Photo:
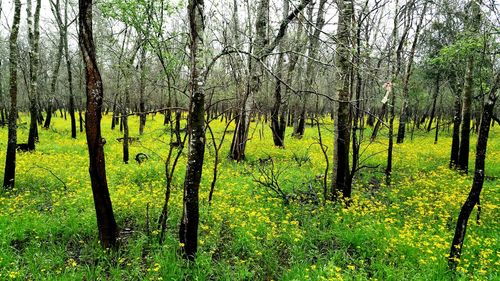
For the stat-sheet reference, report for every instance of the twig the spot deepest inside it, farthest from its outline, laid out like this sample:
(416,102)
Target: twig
(48,170)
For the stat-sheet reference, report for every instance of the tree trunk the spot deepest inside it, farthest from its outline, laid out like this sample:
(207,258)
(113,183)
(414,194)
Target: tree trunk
(125,112)
(473,25)
(33,38)
(188,230)
(403,119)
(71,103)
(104,211)
(278,122)
(115,118)
(457,120)
(357,113)
(341,176)
(383,112)
(10,159)
(463,152)
(55,7)
(395,71)
(277,128)
(142,85)
(434,101)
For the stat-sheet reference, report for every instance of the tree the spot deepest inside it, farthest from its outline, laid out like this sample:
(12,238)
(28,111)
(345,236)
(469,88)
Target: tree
(341,176)
(55,7)
(262,47)
(395,71)
(142,86)
(406,79)
(33,38)
(188,230)
(104,211)
(278,120)
(312,50)
(71,103)
(463,153)
(479,173)
(10,159)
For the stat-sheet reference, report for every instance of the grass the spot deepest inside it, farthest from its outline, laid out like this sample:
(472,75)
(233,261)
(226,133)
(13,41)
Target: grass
(402,232)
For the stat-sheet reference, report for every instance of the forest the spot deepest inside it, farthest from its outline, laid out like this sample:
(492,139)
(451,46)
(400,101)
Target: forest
(249,140)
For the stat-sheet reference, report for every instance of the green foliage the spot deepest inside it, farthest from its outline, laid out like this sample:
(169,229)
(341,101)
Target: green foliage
(139,13)
(149,18)
(458,51)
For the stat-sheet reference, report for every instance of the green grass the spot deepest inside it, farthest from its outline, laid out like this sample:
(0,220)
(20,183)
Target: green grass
(401,232)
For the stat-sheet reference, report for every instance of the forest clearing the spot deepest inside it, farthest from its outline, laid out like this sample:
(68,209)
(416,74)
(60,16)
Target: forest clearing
(250,140)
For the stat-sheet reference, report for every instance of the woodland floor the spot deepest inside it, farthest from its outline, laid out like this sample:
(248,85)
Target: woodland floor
(402,232)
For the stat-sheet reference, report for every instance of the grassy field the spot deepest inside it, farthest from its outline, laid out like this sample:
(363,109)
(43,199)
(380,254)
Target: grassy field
(402,232)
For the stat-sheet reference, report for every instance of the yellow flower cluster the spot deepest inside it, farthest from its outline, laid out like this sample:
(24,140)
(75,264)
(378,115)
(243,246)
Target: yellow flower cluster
(387,232)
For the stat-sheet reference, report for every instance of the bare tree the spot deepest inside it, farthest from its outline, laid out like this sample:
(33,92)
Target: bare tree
(262,47)
(188,230)
(312,52)
(341,176)
(403,119)
(56,11)
(71,103)
(33,38)
(396,62)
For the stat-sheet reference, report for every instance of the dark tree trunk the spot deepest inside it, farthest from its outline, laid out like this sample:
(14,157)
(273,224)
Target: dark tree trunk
(457,119)
(48,118)
(104,211)
(301,123)
(370,121)
(463,152)
(80,117)
(168,113)
(437,131)
(477,185)
(383,112)
(116,117)
(434,101)
(188,230)
(10,159)
(71,96)
(2,113)
(177,128)
(278,124)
